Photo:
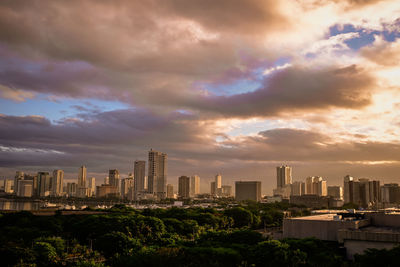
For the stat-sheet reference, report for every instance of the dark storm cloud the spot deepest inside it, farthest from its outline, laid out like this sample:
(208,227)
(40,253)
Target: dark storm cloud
(297,89)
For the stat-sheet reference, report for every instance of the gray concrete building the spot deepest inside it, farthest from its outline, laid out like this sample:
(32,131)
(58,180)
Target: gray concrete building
(248,190)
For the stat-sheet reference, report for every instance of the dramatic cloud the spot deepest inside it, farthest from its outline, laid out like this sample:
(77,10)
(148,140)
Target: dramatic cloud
(231,86)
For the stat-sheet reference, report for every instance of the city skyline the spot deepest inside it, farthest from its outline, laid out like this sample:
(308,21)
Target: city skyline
(236,89)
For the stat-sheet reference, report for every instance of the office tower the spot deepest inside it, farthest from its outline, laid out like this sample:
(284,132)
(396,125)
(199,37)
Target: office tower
(194,185)
(72,189)
(364,192)
(18,176)
(375,191)
(226,190)
(297,189)
(25,188)
(107,180)
(127,185)
(82,176)
(390,193)
(157,174)
(283,176)
(57,183)
(184,187)
(170,191)
(8,186)
(248,191)
(114,177)
(351,190)
(44,184)
(335,192)
(104,191)
(218,185)
(92,186)
(315,185)
(322,189)
(139,170)
(212,191)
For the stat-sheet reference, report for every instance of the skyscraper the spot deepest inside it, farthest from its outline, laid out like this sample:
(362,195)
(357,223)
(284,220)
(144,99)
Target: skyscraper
(170,191)
(92,186)
(25,188)
(218,185)
(82,176)
(139,170)
(248,190)
(194,185)
(44,184)
(157,174)
(283,176)
(335,192)
(114,177)
(184,187)
(57,183)
(18,176)
(127,186)
(316,185)
(212,189)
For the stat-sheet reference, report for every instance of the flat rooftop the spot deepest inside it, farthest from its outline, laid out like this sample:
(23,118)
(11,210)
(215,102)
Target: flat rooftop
(320,217)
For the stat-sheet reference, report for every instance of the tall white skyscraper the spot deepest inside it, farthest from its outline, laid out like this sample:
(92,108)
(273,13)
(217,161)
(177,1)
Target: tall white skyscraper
(283,176)
(157,174)
(194,185)
(139,174)
(57,183)
(82,177)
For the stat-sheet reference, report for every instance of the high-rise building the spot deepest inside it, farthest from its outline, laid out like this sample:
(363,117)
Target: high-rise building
(194,185)
(107,180)
(19,175)
(8,186)
(297,188)
(82,176)
(351,190)
(44,184)
(184,187)
(322,188)
(218,185)
(335,192)
(283,176)
(92,186)
(315,185)
(247,190)
(72,189)
(226,190)
(390,193)
(157,174)
(139,170)
(127,186)
(375,191)
(114,178)
(57,183)
(170,191)
(25,188)
(212,191)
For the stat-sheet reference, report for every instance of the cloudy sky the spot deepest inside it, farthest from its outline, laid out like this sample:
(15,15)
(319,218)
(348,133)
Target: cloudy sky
(235,87)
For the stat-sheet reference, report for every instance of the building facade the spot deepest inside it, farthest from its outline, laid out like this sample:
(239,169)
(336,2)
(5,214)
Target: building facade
(248,190)
(184,187)
(157,174)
